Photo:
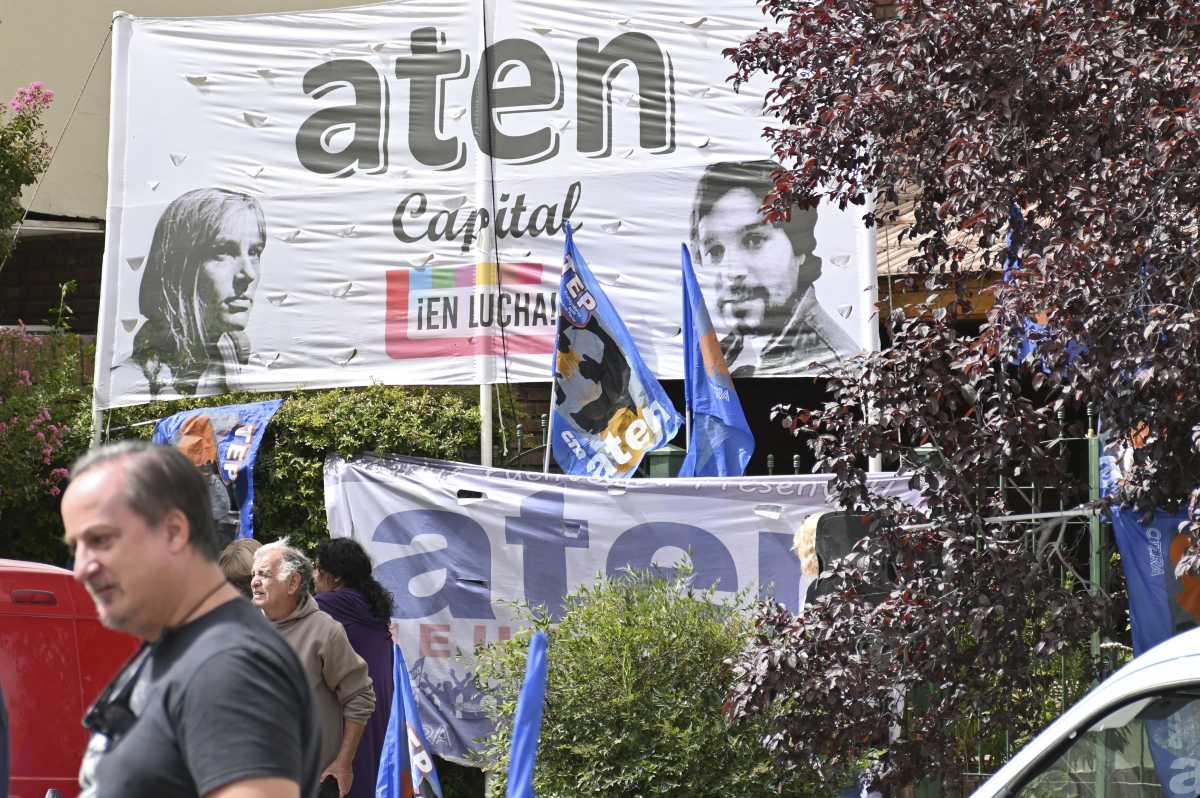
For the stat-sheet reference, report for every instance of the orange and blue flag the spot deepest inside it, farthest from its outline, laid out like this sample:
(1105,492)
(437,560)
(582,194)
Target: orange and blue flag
(720,444)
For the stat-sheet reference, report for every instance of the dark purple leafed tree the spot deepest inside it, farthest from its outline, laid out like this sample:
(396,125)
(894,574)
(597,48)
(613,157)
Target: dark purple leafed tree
(1081,120)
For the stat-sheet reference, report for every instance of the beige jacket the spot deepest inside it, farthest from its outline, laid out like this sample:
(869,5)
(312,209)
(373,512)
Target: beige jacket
(338,677)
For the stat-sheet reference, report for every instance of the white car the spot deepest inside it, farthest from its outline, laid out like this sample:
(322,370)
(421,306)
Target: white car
(1136,735)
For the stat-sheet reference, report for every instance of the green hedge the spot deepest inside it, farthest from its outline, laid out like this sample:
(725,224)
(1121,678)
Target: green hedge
(289,493)
(636,680)
(45,420)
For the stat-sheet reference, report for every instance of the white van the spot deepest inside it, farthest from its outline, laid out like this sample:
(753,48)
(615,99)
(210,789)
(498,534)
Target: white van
(1136,735)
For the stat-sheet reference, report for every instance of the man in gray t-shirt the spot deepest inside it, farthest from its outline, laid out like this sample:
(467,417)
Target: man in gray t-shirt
(215,703)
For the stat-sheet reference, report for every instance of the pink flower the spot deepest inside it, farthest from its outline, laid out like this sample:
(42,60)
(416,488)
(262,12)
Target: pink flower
(41,436)
(55,490)
(59,473)
(31,98)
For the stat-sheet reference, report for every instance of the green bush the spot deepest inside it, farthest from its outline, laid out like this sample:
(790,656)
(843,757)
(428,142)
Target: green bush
(44,425)
(636,681)
(289,496)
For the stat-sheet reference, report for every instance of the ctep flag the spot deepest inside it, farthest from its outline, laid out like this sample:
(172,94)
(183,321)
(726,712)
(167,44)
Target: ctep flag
(527,726)
(405,764)
(223,443)
(609,410)
(721,442)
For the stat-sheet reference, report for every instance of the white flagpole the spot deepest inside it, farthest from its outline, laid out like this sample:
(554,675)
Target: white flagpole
(550,418)
(485,425)
(868,323)
(487,247)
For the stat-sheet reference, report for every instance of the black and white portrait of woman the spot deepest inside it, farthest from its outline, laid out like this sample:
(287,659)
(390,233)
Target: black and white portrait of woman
(768,317)
(197,291)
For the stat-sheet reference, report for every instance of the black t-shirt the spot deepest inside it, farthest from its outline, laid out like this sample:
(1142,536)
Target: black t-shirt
(220,700)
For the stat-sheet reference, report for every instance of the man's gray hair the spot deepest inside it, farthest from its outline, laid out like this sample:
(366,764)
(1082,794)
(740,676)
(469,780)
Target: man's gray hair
(159,479)
(291,561)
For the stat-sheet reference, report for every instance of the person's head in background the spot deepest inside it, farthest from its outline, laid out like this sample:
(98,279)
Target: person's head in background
(282,579)
(237,563)
(342,564)
(761,270)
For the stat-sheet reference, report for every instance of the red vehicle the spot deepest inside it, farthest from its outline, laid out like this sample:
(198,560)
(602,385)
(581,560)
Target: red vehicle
(55,658)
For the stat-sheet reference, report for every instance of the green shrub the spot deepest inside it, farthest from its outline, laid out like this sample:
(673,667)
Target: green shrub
(637,677)
(289,496)
(44,425)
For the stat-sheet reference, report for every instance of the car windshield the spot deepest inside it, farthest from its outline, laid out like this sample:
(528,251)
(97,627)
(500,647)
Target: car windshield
(1149,748)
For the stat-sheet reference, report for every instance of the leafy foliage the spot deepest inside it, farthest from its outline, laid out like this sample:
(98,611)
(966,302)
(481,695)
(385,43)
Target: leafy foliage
(1057,136)
(24,154)
(288,486)
(633,697)
(44,424)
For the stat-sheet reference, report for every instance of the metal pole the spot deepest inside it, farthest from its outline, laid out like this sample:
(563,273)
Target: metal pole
(487,244)
(1096,560)
(485,425)
(875,461)
(548,430)
(1096,575)
(97,423)
(868,322)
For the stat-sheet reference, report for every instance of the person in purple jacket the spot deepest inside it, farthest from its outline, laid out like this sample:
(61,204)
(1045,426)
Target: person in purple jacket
(347,591)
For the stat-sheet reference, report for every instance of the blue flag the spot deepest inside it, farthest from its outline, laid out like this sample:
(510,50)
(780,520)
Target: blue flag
(223,443)
(1161,606)
(721,442)
(527,725)
(405,763)
(609,410)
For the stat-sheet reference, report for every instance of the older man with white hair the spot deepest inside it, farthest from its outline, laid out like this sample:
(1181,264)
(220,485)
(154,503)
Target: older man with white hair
(282,588)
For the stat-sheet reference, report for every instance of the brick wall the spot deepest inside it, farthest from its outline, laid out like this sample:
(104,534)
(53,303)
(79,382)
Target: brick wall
(30,279)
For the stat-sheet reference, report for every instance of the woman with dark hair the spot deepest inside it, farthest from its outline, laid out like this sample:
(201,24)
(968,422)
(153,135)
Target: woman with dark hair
(347,591)
(197,291)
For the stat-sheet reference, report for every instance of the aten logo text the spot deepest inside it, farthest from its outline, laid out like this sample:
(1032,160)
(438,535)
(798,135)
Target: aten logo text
(518,79)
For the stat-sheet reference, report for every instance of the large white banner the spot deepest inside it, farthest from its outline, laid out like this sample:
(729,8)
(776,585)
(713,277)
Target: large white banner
(458,544)
(306,199)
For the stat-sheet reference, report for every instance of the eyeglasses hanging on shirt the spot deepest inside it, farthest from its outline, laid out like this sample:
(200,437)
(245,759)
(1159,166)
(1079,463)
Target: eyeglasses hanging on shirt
(111,715)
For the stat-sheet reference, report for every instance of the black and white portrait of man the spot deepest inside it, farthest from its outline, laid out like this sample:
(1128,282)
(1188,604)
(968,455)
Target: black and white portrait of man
(197,292)
(767,312)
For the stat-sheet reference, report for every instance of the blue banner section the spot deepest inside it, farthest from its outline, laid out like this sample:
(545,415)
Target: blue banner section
(721,442)
(223,443)
(609,410)
(1160,606)
(527,725)
(406,762)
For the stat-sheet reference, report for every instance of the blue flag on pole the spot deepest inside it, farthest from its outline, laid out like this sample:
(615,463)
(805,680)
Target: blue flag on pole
(527,726)
(609,410)
(721,442)
(1161,606)
(223,443)
(405,763)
